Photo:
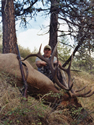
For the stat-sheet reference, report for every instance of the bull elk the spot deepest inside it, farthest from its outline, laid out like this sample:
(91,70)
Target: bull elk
(39,83)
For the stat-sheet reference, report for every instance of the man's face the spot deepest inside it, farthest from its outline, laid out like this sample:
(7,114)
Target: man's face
(47,53)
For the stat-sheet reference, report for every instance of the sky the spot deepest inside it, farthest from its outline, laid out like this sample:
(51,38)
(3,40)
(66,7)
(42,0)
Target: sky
(32,36)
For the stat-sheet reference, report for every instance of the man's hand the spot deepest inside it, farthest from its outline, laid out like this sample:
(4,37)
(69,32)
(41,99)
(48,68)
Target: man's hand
(41,63)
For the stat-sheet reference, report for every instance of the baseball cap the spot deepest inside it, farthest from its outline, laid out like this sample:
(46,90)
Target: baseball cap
(47,47)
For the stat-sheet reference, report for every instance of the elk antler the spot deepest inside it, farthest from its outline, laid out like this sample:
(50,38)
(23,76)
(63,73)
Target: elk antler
(72,92)
(52,68)
(54,71)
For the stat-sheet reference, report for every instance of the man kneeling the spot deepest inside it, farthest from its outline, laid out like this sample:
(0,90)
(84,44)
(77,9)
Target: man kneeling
(44,68)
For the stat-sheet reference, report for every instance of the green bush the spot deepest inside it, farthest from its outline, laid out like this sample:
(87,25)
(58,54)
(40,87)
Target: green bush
(25,52)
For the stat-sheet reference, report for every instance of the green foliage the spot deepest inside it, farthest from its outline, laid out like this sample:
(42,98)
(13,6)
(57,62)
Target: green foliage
(63,48)
(64,52)
(25,52)
(83,61)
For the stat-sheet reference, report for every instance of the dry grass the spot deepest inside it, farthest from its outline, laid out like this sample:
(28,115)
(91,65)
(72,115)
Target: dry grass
(85,79)
(15,110)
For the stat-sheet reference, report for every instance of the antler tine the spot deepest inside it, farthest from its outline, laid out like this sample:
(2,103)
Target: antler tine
(59,84)
(89,95)
(53,54)
(40,48)
(29,56)
(81,95)
(52,67)
(54,51)
(71,60)
(40,56)
(68,73)
(81,89)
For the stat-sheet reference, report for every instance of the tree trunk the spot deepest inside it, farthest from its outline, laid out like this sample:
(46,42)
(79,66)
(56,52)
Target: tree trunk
(53,24)
(9,33)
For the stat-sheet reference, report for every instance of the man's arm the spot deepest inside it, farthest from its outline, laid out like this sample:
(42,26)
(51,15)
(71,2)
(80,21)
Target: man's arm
(40,63)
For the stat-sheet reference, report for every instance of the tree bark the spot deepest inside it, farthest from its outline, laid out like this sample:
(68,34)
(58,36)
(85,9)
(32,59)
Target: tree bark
(53,24)
(9,33)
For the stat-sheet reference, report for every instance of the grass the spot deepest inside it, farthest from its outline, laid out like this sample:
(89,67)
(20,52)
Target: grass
(15,110)
(85,79)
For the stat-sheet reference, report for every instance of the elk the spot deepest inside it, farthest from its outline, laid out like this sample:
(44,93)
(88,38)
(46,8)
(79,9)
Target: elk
(39,83)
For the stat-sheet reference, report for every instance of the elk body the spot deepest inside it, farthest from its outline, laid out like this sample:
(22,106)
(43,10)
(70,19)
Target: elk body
(10,64)
(37,82)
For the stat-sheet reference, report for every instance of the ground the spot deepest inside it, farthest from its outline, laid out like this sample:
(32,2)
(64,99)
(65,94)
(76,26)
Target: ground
(16,110)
